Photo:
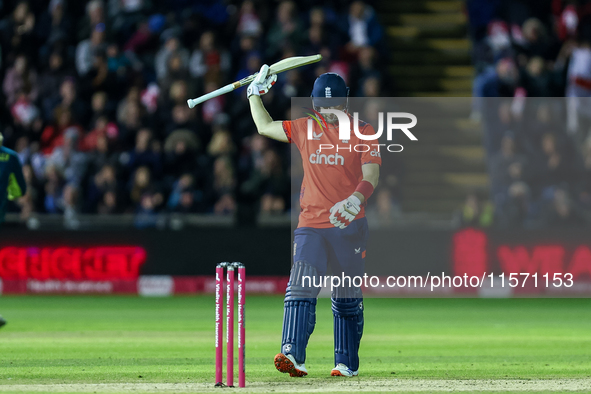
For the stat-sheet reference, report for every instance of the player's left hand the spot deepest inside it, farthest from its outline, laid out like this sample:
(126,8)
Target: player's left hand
(344,212)
(262,82)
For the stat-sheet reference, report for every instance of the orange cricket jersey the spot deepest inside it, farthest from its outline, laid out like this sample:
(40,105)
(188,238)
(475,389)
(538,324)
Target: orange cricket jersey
(331,174)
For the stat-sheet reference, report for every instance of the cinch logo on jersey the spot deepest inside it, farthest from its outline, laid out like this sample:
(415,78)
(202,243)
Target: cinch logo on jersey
(375,153)
(321,158)
(345,129)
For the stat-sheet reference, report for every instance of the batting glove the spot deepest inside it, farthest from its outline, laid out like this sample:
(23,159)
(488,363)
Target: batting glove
(344,212)
(262,82)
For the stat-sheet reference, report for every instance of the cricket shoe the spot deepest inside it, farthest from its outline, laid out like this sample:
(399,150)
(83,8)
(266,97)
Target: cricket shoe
(287,364)
(342,370)
(2,321)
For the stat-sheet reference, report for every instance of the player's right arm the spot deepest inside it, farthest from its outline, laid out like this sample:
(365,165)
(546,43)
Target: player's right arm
(265,124)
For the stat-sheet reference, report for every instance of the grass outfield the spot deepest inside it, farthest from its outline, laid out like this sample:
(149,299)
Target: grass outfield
(71,342)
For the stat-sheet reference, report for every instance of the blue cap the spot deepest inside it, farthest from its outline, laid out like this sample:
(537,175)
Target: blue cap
(156,23)
(100,27)
(329,90)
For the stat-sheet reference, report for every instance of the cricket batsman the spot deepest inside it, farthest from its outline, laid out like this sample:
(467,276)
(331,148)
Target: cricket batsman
(12,182)
(332,228)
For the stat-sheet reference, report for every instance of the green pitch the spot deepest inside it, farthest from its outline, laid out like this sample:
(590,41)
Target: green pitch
(51,340)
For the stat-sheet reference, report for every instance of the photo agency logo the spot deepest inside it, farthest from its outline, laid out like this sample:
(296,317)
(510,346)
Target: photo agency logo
(392,120)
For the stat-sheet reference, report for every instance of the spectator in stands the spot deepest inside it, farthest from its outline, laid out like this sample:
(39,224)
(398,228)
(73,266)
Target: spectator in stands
(253,63)
(101,78)
(249,22)
(579,71)
(185,198)
(224,184)
(95,14)
(101,155)
(582,189)
(364,69)
(68,160)
(25,115)
(171,47)
(125,15)
(54,25)
(117,62)
(149,99)
(322,33)
(241,51)
(52,78)
(53,134)
(103,182)
(131,124)
(370,87)
(502,82)
(177,69)
(188,202)
(18,32)
(286,30)
(535,42)
(384,211)
(507,167)
(211,108)
(102,127)
(98,106)
(181,118)
(30,202)
(208,61)
(362,27)
(131,98)
(146,211)
(54,184)
(109,204)
(269,183)
(514,210)
(480,14)
(67,100)
(536,79)
(20,79)
(553,168)
(144,155)
(561,212)
(180,153)
(221,142)
(477,211)
(578,87)
(185,182)
(141,184)
(87,49)
(177,94)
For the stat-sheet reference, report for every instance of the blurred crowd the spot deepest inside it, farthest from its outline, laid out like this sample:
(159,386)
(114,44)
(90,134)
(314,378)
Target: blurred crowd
(528,53)
(95,94)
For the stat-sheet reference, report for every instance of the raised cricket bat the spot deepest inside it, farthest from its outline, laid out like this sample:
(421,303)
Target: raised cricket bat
(283,65)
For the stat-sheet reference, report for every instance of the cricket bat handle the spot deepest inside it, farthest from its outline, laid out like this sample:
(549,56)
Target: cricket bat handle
(276,68)
(226,89)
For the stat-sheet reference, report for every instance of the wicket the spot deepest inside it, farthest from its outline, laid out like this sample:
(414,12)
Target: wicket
(219,275)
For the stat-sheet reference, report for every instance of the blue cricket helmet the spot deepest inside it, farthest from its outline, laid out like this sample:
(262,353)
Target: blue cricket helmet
(330,90)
